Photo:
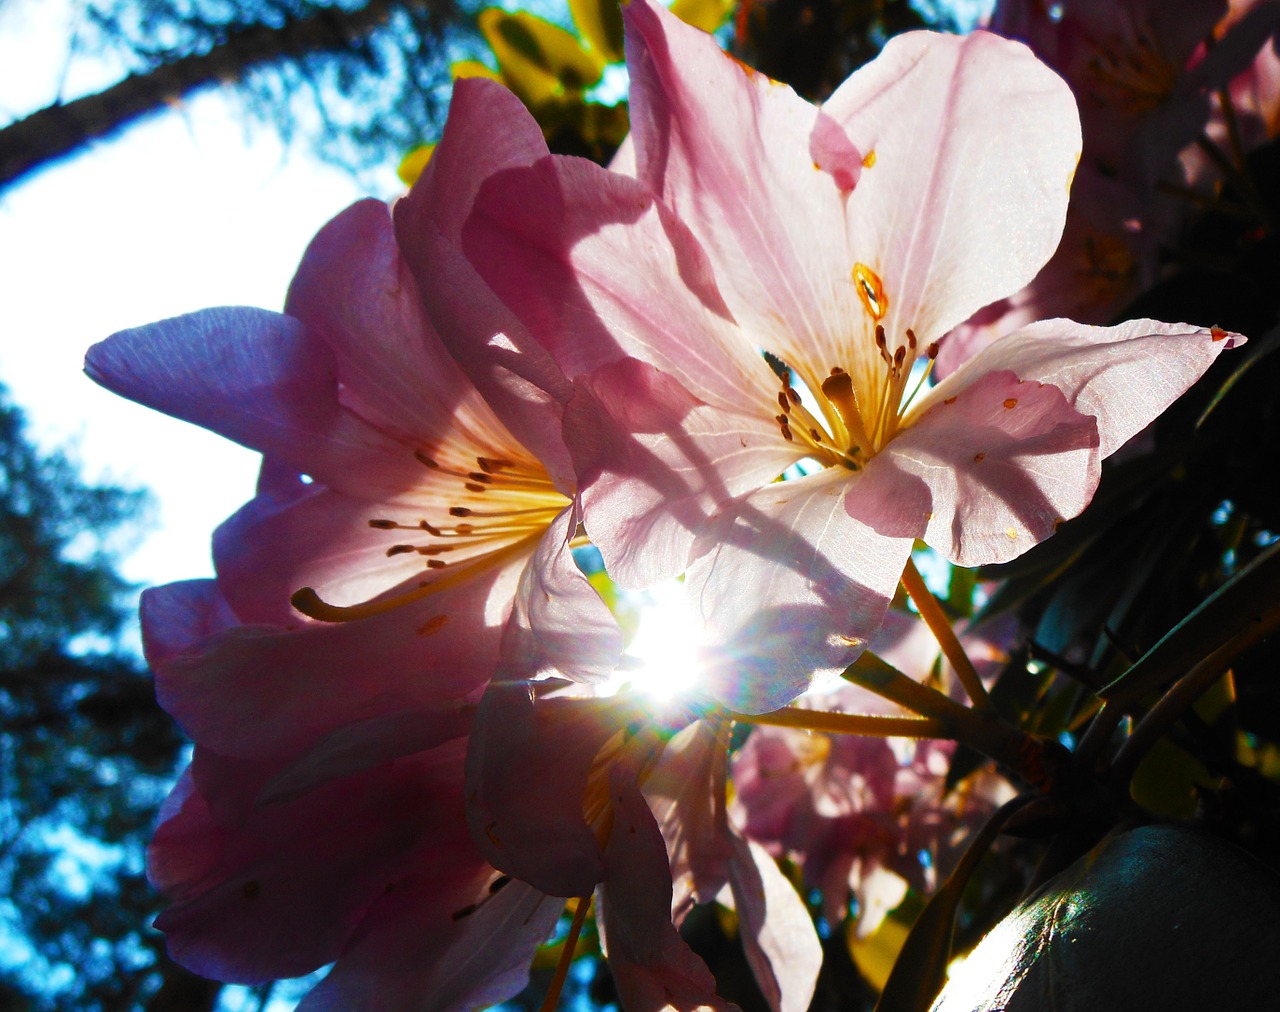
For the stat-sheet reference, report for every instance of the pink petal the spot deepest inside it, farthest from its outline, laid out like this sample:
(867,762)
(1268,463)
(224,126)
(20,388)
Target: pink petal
(180,615)
(1123,376)
(598,269)
(258,378)
(528,765)
(258,691)
(777,931)
(279,891)
(488,130)
(656,463)
(791,589)
(729,150)
(355,292)
(652,966)
(559,625)
(413,945)
(974,144)
(985,473)
(685,791)
(317,538)
(834,153)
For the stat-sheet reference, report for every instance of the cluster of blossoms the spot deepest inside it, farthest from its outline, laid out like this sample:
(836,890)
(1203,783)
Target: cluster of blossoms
(409,747)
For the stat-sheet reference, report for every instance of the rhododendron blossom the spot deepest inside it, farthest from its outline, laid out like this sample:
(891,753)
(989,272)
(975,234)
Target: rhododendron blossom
(844,242)
(403,546)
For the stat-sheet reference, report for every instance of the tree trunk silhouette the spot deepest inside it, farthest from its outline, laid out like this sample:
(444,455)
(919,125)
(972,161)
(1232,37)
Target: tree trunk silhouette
(63,128)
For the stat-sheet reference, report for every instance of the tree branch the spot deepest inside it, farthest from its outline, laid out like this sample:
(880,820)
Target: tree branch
(62,129)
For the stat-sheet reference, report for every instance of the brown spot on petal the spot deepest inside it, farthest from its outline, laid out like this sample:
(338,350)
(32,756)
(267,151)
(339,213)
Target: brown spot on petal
(433,625)
(949,400)
(1011,402)
(1218,333)
(869,159)
(1011,533)
(978,458)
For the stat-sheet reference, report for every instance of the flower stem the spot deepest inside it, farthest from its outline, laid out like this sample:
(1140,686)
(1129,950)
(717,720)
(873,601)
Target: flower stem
(566,955)
(867,725)
(939,624)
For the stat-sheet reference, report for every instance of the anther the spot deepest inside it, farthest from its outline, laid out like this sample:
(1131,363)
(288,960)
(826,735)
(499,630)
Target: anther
(932,350)
(490,464)
(784,403)
(882,341)
(433,531)
(436,563)
(480,477)
(474,486)
(870,290)
(400,550)
(459,511)
(899,357)
(780,419)
(425,460)
(383,525)
(794,394)
(911,339)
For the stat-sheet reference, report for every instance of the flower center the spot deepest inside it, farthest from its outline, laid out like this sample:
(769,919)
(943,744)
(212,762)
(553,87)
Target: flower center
(500,509)
(1132,74)
(860,409)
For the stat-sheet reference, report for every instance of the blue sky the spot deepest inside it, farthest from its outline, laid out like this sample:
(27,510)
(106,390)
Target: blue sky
(190,209)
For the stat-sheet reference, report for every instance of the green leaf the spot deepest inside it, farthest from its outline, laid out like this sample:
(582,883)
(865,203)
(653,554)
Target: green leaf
(1158,918)
(600,22)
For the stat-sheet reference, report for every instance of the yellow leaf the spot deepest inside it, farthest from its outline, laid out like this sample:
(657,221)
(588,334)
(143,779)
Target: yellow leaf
(705,14)
(539,61)
(876,954)
(412,164)
(473,68)
(600,23)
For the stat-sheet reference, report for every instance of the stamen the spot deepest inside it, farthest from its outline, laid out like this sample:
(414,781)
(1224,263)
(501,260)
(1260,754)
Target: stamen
(566,955)
(870,290)
(490,465)
(425,460)
(784,403)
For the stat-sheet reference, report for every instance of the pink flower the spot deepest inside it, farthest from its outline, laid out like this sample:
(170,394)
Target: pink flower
(430,539)
(573,793)
(403,546)
(843,241)
(857,813)
(1148,89)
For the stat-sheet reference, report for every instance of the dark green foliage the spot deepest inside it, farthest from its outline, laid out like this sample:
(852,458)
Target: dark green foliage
(85,754)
